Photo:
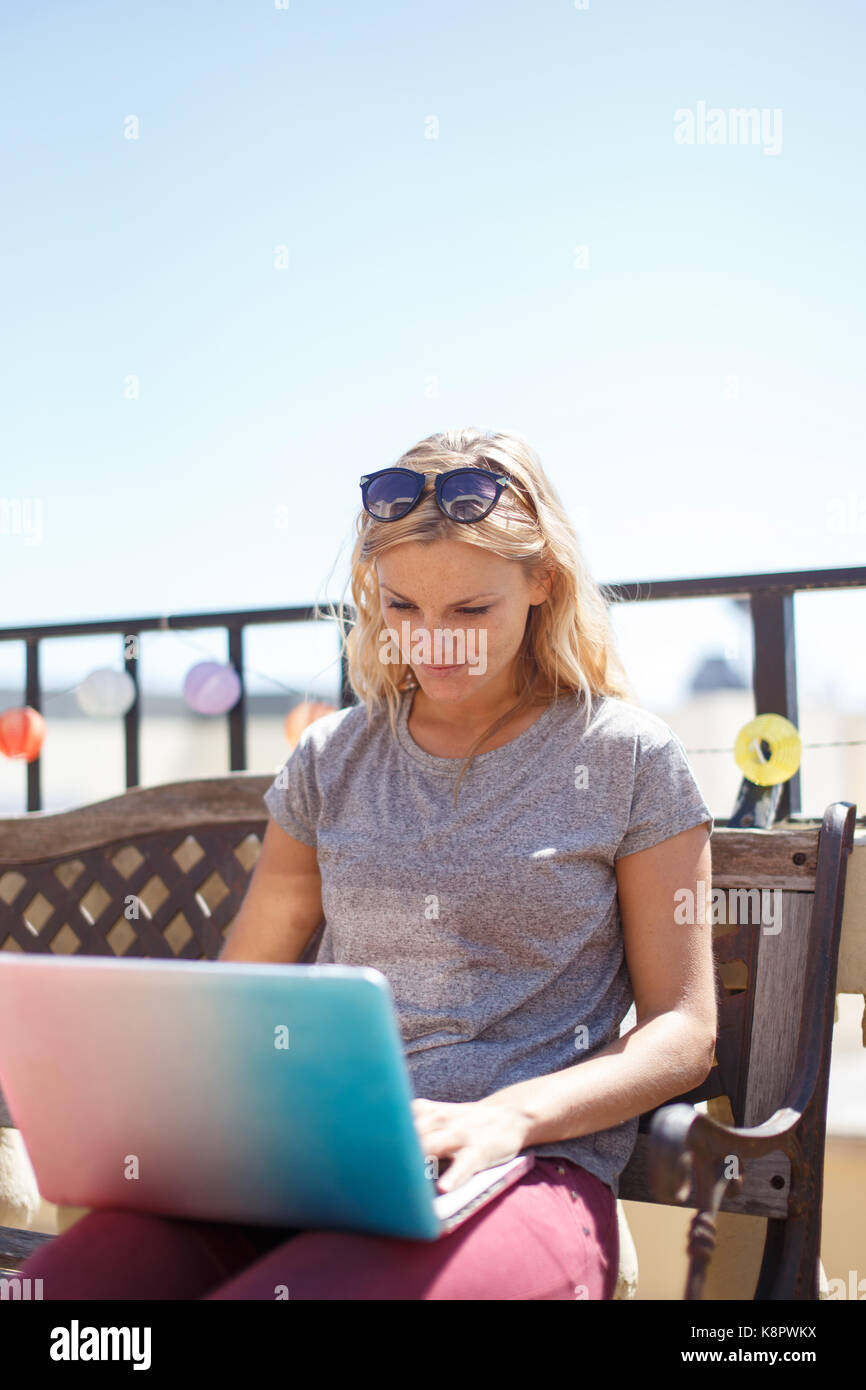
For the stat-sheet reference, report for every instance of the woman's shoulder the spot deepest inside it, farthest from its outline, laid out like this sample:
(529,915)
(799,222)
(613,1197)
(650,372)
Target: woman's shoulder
(341,728)
(617,719)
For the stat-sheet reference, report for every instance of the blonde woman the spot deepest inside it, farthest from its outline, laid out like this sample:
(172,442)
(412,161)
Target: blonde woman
(500,829)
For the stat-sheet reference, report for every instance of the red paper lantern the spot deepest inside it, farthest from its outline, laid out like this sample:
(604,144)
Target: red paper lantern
(21,733)
(302,715)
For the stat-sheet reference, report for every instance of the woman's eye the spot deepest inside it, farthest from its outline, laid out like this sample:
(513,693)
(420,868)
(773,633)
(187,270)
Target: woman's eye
(403,606)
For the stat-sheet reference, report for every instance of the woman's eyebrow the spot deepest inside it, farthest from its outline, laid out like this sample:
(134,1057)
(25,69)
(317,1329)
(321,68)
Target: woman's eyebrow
(489,593)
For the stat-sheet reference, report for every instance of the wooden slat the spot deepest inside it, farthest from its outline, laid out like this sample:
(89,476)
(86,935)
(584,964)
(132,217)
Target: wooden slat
(16,1246)
(139,811)
(784,882)
(768,857)
(779,984)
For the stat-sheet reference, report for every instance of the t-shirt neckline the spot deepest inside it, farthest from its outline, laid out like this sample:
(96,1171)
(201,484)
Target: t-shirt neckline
(494,757)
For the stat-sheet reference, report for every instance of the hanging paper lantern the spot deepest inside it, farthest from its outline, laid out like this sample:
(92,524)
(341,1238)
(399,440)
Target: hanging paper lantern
(303,714)
(21,733)
(211,687)
(106,692)
(783,742)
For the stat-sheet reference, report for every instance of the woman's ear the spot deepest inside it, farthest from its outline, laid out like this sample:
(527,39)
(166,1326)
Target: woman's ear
(542,585)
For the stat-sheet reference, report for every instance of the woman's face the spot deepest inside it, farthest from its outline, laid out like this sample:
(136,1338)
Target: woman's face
(480,598)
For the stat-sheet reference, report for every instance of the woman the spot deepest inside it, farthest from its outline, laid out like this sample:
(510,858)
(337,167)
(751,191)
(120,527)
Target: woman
(504,840)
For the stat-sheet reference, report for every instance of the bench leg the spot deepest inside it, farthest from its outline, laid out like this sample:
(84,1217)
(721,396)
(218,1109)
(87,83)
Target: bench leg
(789,1270)
(710,1189)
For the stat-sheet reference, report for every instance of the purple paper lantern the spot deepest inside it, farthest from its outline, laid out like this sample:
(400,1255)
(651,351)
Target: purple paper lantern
(212,688)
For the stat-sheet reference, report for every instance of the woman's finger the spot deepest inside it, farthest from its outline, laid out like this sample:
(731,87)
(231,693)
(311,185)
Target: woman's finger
(462,1168)
(443,1141)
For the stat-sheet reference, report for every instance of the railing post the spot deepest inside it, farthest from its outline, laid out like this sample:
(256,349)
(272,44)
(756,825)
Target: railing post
(774,674)
(238,715)
(33,697)
(131,720)
(347,694)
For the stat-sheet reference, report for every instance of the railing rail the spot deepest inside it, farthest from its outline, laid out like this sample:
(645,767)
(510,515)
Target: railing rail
(774,667)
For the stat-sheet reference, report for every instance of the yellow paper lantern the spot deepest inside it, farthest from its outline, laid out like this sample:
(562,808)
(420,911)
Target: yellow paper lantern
(785,750)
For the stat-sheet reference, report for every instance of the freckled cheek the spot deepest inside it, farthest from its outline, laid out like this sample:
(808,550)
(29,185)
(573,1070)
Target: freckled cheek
(504,631)
(497,639)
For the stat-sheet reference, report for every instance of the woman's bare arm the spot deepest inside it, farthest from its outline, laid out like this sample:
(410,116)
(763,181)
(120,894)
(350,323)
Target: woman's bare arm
(282,906)
(670,1048)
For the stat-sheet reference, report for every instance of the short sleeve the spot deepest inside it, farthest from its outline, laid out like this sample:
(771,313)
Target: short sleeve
(292,797)
(666,799)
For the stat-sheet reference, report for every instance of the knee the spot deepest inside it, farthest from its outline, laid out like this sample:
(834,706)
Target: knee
(109,1227)
(336,1265)
(109,1253)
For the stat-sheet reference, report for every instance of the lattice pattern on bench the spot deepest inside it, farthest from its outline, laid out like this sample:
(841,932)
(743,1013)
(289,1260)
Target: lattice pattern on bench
(162,894)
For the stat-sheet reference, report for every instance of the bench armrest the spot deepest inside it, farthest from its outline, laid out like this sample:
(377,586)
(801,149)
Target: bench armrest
(687,1145)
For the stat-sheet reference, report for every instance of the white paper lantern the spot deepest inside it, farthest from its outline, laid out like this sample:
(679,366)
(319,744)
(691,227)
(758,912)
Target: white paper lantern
(106,692)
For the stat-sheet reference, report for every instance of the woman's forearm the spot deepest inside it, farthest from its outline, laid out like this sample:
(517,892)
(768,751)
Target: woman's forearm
(659,1059)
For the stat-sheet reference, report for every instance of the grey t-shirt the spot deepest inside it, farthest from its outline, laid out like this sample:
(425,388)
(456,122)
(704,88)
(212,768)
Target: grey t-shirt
(496,925)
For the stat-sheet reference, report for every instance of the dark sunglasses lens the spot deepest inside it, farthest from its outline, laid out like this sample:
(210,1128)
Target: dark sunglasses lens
(391,496)
(466,496)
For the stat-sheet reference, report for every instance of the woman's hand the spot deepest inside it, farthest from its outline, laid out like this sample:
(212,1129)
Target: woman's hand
(478,1134)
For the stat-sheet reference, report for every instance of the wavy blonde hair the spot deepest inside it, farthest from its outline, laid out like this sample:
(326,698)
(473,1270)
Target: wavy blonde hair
(568,644)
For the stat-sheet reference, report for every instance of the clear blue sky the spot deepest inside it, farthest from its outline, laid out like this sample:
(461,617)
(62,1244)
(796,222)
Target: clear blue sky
(695,391)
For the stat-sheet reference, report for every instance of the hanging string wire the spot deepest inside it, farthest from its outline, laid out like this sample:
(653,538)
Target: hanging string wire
(199,646)
(55,694)
(245,669)
(292,690)
(837,743)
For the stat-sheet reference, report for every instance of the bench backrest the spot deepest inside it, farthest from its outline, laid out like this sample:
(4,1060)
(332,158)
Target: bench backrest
(161,872)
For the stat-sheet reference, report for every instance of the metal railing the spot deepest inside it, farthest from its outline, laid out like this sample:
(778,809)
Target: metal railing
(774,667)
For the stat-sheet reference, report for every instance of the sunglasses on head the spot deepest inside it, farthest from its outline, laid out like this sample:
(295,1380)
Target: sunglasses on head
(463,494)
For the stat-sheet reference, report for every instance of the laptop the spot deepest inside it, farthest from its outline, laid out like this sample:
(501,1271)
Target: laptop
(271,1095)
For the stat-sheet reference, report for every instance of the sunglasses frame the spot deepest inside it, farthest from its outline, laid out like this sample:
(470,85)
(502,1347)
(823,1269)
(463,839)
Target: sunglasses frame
(501,480)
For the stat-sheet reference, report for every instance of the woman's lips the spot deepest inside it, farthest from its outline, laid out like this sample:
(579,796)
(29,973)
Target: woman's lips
(439,669)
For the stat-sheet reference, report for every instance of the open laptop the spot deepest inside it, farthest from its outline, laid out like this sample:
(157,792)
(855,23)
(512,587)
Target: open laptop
(274,1095)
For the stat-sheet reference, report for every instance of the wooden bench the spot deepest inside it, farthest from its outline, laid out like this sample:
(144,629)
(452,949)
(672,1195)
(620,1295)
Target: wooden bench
(182,855)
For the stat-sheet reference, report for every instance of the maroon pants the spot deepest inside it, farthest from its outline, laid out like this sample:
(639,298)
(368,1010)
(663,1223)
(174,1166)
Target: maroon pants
(553,1235)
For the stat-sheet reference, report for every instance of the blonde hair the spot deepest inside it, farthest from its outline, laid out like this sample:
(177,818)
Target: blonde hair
(568,644)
